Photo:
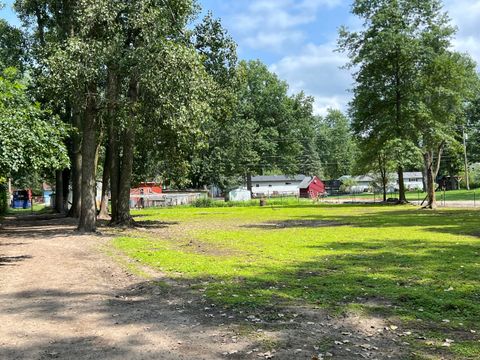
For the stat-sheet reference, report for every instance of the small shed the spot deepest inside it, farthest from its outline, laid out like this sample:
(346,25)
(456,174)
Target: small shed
(141,195)
(449,183)
(241,194)
(311,187)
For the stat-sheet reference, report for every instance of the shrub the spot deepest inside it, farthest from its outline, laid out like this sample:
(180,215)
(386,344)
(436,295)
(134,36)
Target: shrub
(3,199)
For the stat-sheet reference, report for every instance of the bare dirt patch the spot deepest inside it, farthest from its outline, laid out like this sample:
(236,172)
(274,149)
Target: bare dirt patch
(64,298)
(286,224)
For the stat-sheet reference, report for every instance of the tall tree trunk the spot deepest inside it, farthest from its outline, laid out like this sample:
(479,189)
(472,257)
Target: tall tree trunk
(59,204)
(76,165)
(113,147)
(114,171)
(87,221)
(249,181)
(126,168)
(125,179)
(402,198)
(66,188)
(432,167)
(424,178)
(384,176)
(428,162)
(105,184)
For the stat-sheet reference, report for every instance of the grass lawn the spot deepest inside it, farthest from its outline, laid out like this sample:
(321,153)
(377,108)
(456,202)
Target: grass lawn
(419,267)
(455,195)
(37,208)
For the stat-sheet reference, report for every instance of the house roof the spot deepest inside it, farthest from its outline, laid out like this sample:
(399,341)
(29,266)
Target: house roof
(359,178)
(406,175)
(278,178)
(410,175)
(305,182)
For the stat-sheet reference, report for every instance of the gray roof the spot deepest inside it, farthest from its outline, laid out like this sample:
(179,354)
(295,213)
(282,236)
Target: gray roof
(279,178)
(359,178)
(304,184)
(410,175)
(406,175)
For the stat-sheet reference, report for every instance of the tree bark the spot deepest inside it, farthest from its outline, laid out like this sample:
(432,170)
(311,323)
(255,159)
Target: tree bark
(66,188)
(249,182)
(402,198)
(113,141)
(114,171)
(123,217)
(87,221)
(428,160)
(384,176)
(105,184)
(59,204)
(432,168)
(76,165)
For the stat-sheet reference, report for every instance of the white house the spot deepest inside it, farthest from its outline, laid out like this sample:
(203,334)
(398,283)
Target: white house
(363,183)
(412,180)
(272,185)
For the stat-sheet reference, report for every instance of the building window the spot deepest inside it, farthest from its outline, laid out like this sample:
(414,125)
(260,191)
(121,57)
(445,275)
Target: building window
(257,185)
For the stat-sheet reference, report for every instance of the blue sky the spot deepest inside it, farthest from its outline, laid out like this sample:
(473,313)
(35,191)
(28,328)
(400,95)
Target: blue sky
(297,39)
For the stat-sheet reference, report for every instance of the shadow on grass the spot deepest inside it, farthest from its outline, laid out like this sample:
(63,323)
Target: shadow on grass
(154,224)
(382,280)
(441,279)
(457,222)
(285,224)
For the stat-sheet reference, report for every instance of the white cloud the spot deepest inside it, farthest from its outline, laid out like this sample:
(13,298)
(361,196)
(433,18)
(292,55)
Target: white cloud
(465,15)
(273,40)
(274,23)
(317,71)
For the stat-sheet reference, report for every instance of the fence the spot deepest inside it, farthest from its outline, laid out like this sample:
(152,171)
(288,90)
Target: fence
(453,198)
(163,200)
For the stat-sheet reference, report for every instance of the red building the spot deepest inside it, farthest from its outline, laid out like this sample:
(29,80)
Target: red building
(311,187)
(145,191)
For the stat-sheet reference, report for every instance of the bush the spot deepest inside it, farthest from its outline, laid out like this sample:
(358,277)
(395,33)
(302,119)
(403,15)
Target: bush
(279,201)
(3,199)
(205,202)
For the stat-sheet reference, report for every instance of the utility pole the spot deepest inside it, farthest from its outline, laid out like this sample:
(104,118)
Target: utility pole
(465,138)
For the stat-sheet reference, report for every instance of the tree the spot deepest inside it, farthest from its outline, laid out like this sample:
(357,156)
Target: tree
(385,56)
(165,91)
(31,139)
(408,84)
(375,161)
(335,144)
(119,69)
(12,46)
(445,86)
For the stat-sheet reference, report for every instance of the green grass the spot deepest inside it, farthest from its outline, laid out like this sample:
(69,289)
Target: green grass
(392,261)
(37,208)
(276,201)
(455,195)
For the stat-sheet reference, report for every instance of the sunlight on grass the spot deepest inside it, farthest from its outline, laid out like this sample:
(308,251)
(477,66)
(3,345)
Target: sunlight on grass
(396,261)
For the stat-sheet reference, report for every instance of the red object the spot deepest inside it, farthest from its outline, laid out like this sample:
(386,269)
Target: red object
(312,188)
(145,188)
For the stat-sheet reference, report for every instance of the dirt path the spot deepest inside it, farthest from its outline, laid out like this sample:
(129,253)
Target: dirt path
(62,297)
